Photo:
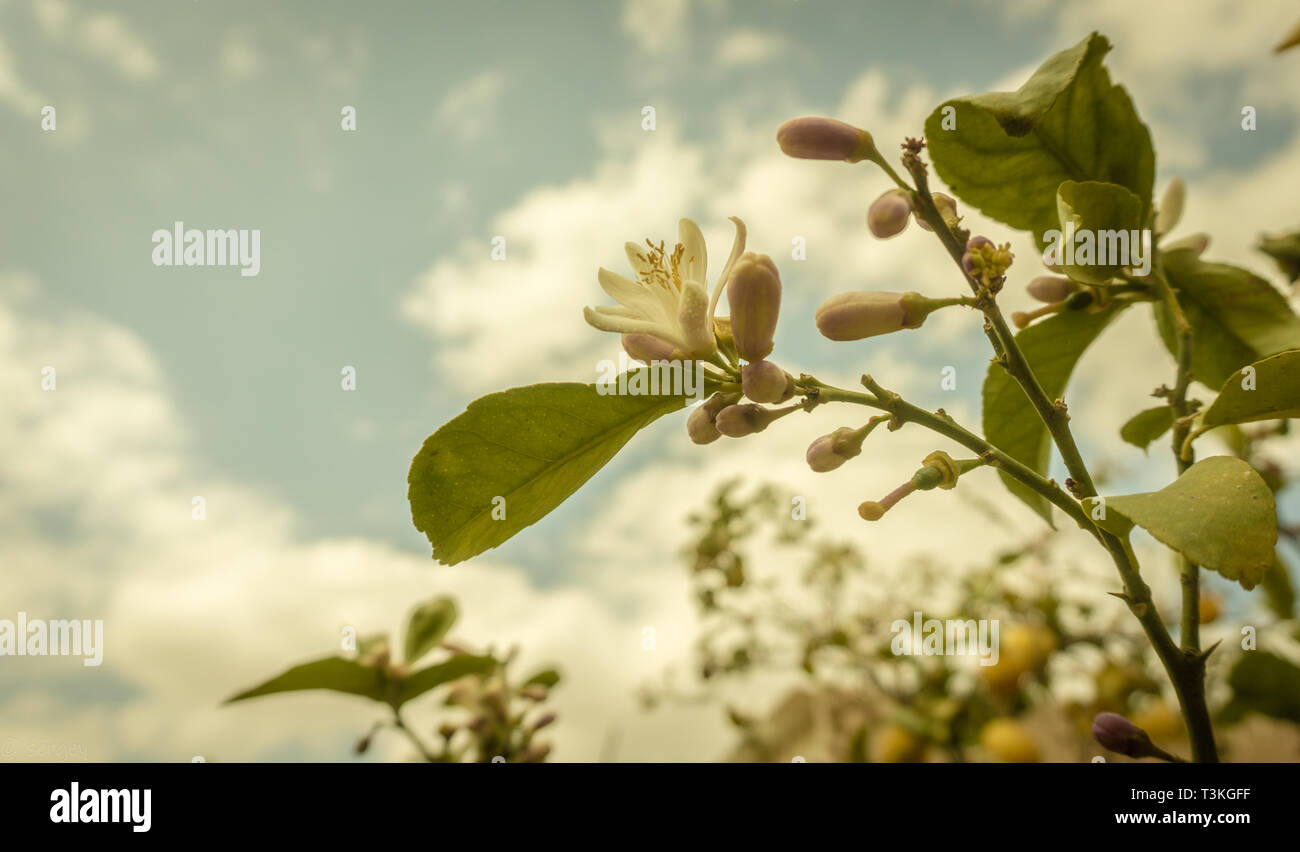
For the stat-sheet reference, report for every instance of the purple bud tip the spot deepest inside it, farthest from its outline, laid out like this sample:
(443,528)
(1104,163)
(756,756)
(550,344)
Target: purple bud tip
(968,263)
(977,241)
(1118,734)
(816,138)
(887,217)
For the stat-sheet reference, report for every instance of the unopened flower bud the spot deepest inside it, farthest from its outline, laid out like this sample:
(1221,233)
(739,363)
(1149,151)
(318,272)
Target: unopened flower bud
(764,381)
(647,348)
(754,294)
(947,207)
(536,753)
(700,427)
(1118,734)
(814,138)
(543,720)
(867,313)
(830,451)
(737,421)
(1171,207)
(1051,288)
(977,241)
(534,692)
(887,217)
(1196,242)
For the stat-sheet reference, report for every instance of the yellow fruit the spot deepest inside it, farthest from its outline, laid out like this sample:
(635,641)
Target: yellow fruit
(1022,648)
(896,744)
(1159,720)
(1209,608)
(1008,741)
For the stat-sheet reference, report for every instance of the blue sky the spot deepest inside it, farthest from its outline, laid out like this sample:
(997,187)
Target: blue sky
(476,120)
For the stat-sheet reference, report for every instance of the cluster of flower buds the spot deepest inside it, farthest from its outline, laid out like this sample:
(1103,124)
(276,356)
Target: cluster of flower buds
(868,313)
(500,723)
(986,262)
(814,138)
(938,470)
(1114,732)
(888,215)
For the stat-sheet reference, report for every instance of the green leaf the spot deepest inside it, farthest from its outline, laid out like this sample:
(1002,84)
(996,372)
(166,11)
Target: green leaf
(420,682)
(333,673)
(1100,218)
(1145,426)
(1285,251)
(1270,391)
(1009,151)
(1264,683)
(1052,346)
(546,677)
(1219,514)
(1237,318)
(531,446)
(427,626)
(1279,592)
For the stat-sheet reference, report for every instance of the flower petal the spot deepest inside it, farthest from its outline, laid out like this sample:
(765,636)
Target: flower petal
(696,256)
(693,318)
(605,320)
(634,295)
(737,249)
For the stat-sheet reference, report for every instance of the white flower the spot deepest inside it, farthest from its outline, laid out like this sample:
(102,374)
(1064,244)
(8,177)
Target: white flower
(669,298)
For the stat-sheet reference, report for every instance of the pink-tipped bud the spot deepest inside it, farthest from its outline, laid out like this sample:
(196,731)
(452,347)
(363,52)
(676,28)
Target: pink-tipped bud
(764,381)
(977,241)
(947,207)
(754,294)
(887,217)
(737,421)
(1118,734)
(647,348)
(867,313)
(814,138)
(830,451)
(1051,288)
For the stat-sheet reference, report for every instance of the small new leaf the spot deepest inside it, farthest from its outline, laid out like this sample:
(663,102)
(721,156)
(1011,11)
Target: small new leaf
(1145,426)
(427,626)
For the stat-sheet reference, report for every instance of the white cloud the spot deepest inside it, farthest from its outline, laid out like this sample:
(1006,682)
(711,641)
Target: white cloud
(107,37)
(749,46)
(468,108)
(240,59)
(656,26)
(195,610)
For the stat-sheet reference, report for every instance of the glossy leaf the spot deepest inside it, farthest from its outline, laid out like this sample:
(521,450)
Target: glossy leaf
(1237,318)
(420,682)
(1107,216)
(1267,390)
(520,452)
(332,673)
(427,626)
(1145,426)
(1053,347)
(1006,153)
(1219,514)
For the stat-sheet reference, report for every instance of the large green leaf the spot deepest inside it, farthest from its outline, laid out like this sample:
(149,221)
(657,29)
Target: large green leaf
(427,626)
(1052,347)
(1009,151)
(1145,426)
(1270,391)
(333,673)
(418,683)
(1237,318)
(532,447)
(1264,683)
(1219,514)
(1100,219)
